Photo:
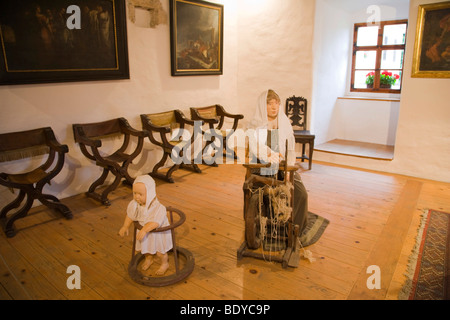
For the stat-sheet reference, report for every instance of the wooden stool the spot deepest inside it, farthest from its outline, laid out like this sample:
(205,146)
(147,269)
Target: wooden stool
(26,144)
(180,273)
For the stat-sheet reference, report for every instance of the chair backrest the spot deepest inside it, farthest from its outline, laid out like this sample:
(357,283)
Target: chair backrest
(164,119)
(23,144)
(297,112)
(98,129)
(207,112)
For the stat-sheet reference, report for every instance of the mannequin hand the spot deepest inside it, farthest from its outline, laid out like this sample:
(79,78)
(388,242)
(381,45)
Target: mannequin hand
(123,231)
(141,235)
(275,158)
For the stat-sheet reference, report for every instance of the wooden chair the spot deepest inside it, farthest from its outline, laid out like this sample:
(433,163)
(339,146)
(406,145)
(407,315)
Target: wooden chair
(162,124)
(27,144)
(215,117)
(297,112)
(90,136)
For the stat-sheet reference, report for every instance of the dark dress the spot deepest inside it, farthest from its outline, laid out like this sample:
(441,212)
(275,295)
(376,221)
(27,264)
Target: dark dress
(300,208)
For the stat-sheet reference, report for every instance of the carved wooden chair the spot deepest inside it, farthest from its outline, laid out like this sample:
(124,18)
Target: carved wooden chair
(89,137)
(27,144)
(297,112)
(215,117)
(161,125)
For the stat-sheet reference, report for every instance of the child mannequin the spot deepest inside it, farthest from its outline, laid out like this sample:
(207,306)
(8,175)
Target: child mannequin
(151,214)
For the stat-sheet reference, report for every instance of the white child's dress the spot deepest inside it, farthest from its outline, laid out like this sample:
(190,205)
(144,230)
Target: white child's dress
(153,241)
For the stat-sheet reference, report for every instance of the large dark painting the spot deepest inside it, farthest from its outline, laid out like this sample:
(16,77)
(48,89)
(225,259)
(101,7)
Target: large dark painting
(196,38)
(62,40)
(432,48)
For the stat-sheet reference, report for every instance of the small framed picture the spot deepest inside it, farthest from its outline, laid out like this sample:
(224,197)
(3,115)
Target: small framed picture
(196,29)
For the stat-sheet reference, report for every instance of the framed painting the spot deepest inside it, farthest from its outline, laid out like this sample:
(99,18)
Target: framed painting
(196,36)
(44,41)
(432,48)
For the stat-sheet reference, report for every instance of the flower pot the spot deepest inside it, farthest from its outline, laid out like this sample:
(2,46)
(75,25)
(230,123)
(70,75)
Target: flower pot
(369,86)
(385,86)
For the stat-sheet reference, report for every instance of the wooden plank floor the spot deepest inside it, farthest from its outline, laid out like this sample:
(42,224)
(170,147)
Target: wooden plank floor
(373,221)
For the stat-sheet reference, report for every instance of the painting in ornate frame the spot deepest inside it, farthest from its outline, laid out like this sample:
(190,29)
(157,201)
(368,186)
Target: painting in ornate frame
(45,41)
(196,37)
(432,48)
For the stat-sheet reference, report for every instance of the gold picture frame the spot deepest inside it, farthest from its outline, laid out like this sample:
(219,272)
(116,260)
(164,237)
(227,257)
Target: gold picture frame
(40,44)
(432,48)
(196,37)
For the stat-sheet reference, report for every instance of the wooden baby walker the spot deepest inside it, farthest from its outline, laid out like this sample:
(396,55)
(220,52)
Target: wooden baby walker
(270,234)
(180,273)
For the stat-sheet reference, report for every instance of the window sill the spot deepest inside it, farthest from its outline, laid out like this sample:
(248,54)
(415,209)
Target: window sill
(370,98)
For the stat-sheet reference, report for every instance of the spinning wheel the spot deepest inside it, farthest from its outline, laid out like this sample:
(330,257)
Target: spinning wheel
(256,210)
(180,272)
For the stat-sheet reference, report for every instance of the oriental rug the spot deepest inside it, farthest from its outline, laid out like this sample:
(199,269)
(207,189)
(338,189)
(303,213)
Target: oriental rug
(428,275)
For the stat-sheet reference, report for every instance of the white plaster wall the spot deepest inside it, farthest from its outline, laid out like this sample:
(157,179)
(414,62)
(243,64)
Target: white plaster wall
(367,121)
(331,51)
(275,50)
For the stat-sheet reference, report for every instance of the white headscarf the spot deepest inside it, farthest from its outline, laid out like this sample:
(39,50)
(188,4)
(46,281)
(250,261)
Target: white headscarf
(149,185)
(260,124)
(153,210)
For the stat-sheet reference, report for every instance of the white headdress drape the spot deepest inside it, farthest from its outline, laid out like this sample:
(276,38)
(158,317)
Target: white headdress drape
(260,123)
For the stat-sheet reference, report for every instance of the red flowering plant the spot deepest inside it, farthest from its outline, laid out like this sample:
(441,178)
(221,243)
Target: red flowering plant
(369,78)
(386,78)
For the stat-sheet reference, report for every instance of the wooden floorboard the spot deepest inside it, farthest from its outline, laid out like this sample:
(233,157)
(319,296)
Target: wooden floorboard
(373,221)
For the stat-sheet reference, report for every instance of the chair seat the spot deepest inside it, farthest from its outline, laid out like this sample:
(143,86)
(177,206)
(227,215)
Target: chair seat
(28,178)
(304,133)
(181,143)
(118,157)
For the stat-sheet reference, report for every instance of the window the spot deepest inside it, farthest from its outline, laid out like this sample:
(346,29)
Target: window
(378,56)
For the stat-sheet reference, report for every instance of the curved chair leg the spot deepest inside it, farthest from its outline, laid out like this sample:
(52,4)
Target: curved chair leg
(99,181)
(12,205)
(55,204)
(170,171)
(192,167)
(111,187)
(208,145)
(167,176)
(9,222)
(94,195)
